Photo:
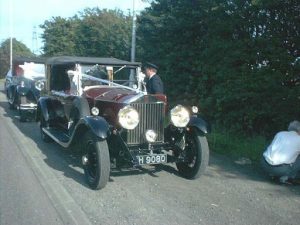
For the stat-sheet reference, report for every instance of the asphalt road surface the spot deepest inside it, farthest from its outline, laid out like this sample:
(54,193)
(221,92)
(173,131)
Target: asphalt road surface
(42,183)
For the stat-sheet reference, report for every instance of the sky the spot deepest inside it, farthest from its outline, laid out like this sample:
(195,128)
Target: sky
(27,15)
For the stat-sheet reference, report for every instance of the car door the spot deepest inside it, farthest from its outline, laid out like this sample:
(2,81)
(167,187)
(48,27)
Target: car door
(62,97)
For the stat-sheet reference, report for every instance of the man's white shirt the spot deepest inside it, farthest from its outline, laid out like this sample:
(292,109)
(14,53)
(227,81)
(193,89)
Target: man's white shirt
(284,148)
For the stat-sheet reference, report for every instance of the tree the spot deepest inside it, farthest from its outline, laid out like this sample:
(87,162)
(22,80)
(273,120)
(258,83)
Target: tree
(174,34)
(19,49)
(231,57)
(59,36)
(93,32)
(104,33)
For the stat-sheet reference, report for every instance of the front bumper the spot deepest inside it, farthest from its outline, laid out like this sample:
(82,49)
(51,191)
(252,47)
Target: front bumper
(27,102)
(28,106)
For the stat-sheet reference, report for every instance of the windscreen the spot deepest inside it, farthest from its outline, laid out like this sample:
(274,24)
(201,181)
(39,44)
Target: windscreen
(105,75)
(32,70)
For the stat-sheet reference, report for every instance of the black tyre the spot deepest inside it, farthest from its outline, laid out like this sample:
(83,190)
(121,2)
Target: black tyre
(22,115)
(11,105)
(43,124)
(96,161)
(196,157)
(12,100)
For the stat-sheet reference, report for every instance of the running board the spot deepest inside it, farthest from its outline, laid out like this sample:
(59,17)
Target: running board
(58,136)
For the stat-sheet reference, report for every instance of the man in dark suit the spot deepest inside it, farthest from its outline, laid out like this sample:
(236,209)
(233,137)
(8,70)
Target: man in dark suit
(154,84)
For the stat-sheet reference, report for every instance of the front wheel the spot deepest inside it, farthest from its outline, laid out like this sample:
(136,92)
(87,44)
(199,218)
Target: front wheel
(22,112)
(96,161)
(196,155)
(12,99)
(22,115)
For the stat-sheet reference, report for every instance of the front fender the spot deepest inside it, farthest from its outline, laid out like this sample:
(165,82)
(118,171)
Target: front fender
(11,90)
(96,124)
(200,124)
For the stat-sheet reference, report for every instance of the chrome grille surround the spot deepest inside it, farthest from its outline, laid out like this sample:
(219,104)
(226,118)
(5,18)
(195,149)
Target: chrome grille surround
(152,117)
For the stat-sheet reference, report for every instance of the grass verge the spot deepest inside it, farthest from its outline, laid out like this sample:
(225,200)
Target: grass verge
(236,146)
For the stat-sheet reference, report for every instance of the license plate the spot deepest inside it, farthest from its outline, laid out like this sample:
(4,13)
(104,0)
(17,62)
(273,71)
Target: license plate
(152,159)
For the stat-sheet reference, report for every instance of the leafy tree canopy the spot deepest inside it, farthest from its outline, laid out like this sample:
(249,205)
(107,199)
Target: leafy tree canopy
(19,49)
(238,60)
(233,58)
(93,32)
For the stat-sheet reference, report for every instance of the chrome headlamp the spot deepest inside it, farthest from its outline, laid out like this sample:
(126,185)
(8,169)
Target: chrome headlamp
(95,111)
(180,116)
(195,109)
(40,85)
(128,117)
(151,136)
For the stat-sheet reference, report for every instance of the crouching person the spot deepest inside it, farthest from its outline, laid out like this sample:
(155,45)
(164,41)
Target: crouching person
(281,159)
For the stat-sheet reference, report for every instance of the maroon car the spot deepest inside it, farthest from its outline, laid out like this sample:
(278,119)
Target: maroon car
(102,104)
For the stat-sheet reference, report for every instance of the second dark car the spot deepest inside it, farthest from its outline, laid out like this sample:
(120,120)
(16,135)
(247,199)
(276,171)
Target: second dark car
(23,84)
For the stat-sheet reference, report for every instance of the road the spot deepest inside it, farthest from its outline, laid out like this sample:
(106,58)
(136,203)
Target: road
(42,183)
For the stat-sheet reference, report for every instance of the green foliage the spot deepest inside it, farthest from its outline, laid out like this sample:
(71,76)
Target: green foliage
(94,32)
(236,59)
(104,33)
(19,49)
(59,36)
(237,146)
(230,57)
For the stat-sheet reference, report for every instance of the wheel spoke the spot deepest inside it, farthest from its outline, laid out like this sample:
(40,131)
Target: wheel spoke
(191,155)
(92,159)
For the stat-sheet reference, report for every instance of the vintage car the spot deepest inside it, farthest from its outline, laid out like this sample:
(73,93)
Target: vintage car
(101,103)
(23,84)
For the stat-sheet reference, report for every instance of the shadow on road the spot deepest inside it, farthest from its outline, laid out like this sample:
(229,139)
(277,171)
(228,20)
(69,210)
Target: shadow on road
(68,161)
(58,158)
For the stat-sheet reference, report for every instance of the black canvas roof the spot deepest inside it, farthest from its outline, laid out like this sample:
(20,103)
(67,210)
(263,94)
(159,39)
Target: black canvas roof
(89,60)
(22,59)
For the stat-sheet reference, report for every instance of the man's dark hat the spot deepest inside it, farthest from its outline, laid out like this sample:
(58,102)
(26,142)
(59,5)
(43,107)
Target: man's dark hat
(150,65)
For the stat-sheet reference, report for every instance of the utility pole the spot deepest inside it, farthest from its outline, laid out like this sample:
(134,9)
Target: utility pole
(10,33)
(133,38)
(34,40)
(132,72)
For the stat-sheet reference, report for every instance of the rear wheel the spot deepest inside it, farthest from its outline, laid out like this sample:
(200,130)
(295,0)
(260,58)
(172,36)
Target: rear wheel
(96,161)
(196,156)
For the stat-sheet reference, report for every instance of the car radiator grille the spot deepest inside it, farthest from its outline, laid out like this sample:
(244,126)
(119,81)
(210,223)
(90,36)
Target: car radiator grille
(151,117)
